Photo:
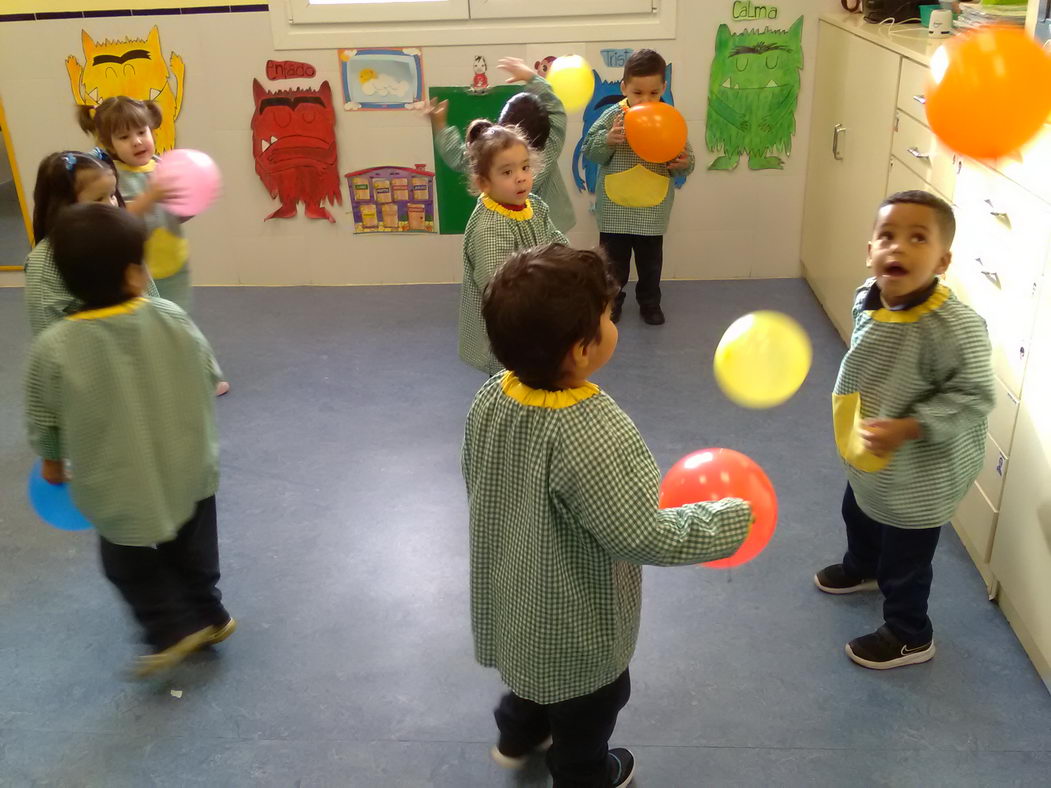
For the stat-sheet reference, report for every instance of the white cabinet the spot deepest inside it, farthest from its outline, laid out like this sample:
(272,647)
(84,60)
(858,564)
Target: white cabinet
(854,105)
(1021,556)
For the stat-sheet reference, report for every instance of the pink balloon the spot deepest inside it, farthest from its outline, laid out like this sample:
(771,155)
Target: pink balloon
(193,176)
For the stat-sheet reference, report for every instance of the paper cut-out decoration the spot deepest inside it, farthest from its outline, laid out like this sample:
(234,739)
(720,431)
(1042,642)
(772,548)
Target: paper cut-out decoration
(289,69)
(480,83)
(752,96)
(133,67)
(455,203)
(616,58)
(392,199)
(381,78)
(585,171)
(541,67)
(294,145)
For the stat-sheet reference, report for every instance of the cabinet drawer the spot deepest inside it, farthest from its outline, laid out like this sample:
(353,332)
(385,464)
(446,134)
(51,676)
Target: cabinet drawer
(991,478)
(1031,165)
(916,145)
(998,259)
(911,89)
(903,178)
(977,518)
(1003,415)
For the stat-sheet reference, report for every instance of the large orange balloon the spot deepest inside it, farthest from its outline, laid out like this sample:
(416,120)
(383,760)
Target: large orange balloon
(711,474)
(656,131)
(990,92)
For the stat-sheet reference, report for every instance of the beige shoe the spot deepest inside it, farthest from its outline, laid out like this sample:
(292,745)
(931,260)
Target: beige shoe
(220,634)
(151,664)
(222,388)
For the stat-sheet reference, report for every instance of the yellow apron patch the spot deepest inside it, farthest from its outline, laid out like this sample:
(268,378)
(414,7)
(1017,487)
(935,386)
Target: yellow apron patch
(166,253)
(846,416)
(638,187)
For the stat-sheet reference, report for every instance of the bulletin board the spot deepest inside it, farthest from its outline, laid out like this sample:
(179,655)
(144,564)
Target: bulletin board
(455,202)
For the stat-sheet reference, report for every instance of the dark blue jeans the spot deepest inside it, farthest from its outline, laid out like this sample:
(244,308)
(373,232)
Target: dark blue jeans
(579,728)
(649,262)
(900,560)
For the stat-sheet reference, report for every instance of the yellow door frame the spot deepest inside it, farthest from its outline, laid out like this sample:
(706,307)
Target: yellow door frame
(10,146)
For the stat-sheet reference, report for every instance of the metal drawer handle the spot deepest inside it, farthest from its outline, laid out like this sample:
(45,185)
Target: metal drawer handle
(915,153)
(836,131)
(920,99)
(998,214)
(989,274)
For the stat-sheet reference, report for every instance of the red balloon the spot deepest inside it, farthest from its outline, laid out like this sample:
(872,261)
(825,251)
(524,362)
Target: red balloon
(656,131)
(711,474)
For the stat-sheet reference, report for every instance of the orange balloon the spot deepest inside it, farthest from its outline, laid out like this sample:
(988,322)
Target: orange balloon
(711,474)
(656,131)
(990,92)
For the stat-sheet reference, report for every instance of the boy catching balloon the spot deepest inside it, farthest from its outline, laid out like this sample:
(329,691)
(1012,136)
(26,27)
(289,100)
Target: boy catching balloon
(563,498)
(910,408)
(635,193)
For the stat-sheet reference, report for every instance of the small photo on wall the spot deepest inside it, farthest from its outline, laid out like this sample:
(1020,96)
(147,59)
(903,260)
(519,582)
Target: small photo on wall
(392,199)
(381,78)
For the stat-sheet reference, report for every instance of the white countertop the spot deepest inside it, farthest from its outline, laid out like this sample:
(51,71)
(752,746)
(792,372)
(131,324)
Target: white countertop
(909,40)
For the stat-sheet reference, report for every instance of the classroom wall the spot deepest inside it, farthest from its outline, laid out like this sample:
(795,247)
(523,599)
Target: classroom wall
(725,225)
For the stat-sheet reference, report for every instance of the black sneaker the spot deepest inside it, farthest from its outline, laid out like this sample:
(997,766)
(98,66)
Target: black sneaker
(615,310)
(652,315)
(835,580)
(883,650)
(621,767)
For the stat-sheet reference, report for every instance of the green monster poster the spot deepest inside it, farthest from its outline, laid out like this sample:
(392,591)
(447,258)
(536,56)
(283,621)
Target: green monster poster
(752,96)
(455,203)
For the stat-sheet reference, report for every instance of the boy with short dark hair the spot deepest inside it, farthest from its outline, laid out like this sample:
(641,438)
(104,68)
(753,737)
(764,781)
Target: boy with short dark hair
(634,197)
(563,512)
(910,408)
(124,390)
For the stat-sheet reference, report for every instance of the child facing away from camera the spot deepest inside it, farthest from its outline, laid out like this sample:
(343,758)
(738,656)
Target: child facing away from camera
(634,197)
(910,407)
(506,217)
(63,178)
(563,500)
(539,114)
(123,390)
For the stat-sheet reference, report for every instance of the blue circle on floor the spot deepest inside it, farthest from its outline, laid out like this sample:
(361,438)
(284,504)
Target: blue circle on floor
(53,503)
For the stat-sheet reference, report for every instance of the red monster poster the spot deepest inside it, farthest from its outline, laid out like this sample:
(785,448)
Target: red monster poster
(294,144)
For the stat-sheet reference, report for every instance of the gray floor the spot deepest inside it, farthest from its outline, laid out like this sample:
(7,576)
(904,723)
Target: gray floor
(344,539)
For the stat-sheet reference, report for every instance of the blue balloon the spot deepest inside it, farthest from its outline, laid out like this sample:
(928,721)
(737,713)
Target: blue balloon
(53,503)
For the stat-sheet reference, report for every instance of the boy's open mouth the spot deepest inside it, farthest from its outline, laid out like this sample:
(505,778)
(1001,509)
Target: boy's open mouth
(894,269)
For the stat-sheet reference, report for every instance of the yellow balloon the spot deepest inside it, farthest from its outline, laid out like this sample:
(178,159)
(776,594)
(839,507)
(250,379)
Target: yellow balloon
(570,77)
(762,359)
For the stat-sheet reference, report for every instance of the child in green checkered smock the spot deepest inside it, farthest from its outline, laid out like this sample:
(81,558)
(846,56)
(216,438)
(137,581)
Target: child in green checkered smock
(507,217)
(539,113)
(634,197)
(62,179)
(123,390)
(910,407)
(123,127)
(563,500)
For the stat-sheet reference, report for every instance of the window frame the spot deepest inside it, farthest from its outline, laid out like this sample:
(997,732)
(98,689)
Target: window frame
(288,33)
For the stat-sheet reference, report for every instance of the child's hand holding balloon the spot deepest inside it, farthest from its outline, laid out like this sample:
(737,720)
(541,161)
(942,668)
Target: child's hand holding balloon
(616,136)
(680,162)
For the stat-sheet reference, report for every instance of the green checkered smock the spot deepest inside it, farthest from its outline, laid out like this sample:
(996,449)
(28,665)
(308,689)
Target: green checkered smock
(563,494)
(47,299)
(167,251)
(492,233)
(127,395)
(548,182)
(614,218)
(930,362)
